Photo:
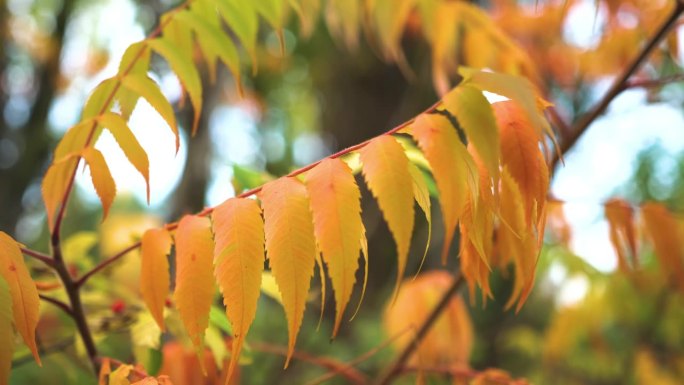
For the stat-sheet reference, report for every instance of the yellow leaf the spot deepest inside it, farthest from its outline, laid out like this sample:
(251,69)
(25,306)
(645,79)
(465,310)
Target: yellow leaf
(335,203)
(186,71)
(273,12)
(308,11)
(390,17)
(239,260)
(452,166)
(343,18)
(620,217)
(130,146)
(154,271)
(194,282)
(667,234)
(291,247)
(475,115)
(54,186)
(148,89)
(386,170)
(242,19)
(136,60)
(521,154)
(422,196)
(99,100)
(6,332)
(102,178)
(270,287)
(25,301)
(120,375)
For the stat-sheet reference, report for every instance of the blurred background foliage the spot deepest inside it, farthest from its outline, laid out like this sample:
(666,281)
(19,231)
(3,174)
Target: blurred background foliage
(582,325)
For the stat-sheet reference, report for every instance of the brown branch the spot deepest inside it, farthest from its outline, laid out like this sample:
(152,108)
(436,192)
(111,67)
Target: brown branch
(655,83)
(209,210)
(351,374)
(65,308)
(396,367)
(620,84)
(46,259)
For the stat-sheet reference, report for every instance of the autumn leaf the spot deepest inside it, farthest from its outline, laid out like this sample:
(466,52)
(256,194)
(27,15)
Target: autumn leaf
(336,207)
(453,168)
(239,261)
(101,177)
(6,332)
(194,279)
(154,271)
(667,234)
(25,301)
(620,217)
(290,246)
(422,196)
(386,170)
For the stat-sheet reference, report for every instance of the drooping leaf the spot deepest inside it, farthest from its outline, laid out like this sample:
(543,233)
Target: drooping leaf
(386,170)
(620,217)
(242,19)
(154,271)
(667,233)
(6,332)
(335,203)
(343,18)
(475,115)
(452,166)
(101,177)
(239,261)
(308,11)
(422,196)
(194,282)
(273,11)
(148,89)
(186,71)
(128,143)
(25,301)
(290,247)
(120,375)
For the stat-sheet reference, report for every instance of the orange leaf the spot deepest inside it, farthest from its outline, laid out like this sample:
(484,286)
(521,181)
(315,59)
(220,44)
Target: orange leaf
(335,203)
(290,246)
(452,166)
(386,169)
(25,301)
(194,281)
(239,261)
(667,233)
(154,271)
(102,178)
(620,217)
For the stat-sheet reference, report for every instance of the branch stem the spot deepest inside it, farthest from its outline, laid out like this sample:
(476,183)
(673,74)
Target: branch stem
(46,259)
(63,306)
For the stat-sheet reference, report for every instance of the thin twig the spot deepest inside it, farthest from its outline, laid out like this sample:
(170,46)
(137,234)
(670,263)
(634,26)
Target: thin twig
(396,367)
(462,373)
(46,259)
(351,374)
(209,210)
(620,84)
(57,303)
(655,83)
(357,360)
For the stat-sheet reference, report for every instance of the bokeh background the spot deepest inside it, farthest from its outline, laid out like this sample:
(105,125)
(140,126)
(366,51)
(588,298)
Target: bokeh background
(585,323)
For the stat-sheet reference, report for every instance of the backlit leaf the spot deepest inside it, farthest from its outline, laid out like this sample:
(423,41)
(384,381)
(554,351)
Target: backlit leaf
(148,89)
(242,19)
(452,166)
(25,301)
(136,60)
(422,196)
(239,261)
(386,170)
(54,186)
(194,279)
(101,177)
(336,207)
(186,71)
(154,271)
(130,146)
(100,99)
(620,217)
(290,247)
(343,18)
(6,332)
(667,233)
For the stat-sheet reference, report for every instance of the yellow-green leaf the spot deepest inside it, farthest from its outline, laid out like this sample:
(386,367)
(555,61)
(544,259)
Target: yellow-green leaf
(6,332)
(148,89)
(242,19)
(154,271)
(55,184)
(452,166)
(130,146)
(101,177)
(136,60)
(25,301)
(343,18)
(386,170)
(100,99)
(475,115)
(422,196)
(290,246)
(336,206)
(182,65)
(194,281)
(239,261)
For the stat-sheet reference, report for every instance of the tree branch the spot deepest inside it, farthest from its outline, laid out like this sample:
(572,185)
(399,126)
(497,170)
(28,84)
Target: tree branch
(65,308)
(46,259)
(655,83)
(620,84)
(462,373)
(396,367)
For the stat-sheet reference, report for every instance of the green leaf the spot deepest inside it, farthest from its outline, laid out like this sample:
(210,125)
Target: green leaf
(186,71)
(136,60)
